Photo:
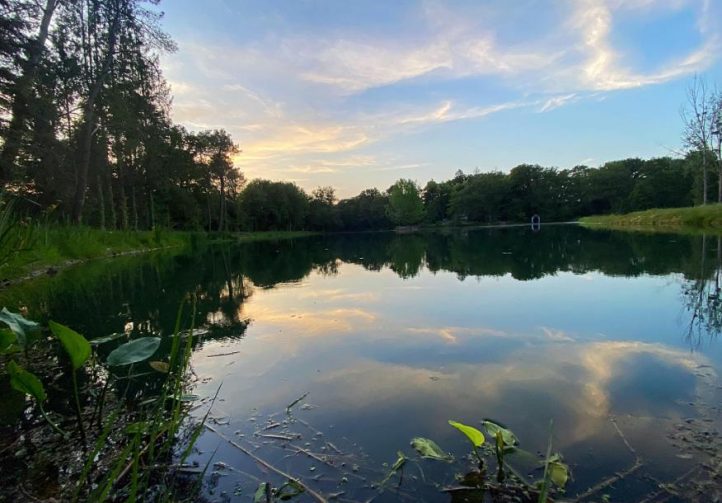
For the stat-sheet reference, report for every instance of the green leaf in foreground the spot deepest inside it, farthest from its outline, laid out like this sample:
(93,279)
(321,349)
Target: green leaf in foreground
(106,338)
(507,436)
(261,493)
(26,382)
(558,471)
(428,449)
(7,340)
(134,351)
(475,436)
(75,345)
(159,366)
(19,325)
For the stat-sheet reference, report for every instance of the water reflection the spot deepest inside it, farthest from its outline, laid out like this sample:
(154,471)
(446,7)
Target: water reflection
(392,335)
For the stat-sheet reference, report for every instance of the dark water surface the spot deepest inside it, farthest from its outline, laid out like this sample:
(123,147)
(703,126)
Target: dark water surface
(613,336)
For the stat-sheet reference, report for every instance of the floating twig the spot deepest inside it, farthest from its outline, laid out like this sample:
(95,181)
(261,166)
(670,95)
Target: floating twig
(295,402)
(266,464)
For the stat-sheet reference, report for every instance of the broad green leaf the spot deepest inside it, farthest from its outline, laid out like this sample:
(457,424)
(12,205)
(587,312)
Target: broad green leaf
(26,382)
(107,338)
(475,436)
(159,366)
(428,449)
(558,471)
(75,345)
(19,325)
(189,398)
(260,496)
(507,436)
(134,351)
(7,340)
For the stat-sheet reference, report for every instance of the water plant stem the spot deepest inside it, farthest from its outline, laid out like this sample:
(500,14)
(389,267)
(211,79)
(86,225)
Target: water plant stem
(78,412)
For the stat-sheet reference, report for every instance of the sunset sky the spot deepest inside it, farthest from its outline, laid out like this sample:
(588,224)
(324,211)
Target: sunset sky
(357,94)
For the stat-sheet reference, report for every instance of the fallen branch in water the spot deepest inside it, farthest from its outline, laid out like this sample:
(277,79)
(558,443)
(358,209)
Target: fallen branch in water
(267,465)
(295,402)
(638,463)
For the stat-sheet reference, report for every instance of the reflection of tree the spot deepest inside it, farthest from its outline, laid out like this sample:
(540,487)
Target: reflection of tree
(702,295)
(144,292)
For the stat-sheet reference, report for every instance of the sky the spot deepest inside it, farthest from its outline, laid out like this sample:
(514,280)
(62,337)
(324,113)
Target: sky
(358,93)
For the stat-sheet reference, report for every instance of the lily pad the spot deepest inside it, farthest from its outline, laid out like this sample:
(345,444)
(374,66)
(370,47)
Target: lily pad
(134,351)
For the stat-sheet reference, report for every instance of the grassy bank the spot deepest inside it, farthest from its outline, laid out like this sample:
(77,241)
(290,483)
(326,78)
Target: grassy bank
(696,218)
(46,247)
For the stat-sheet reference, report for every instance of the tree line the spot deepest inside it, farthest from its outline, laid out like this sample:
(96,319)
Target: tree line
(87,139)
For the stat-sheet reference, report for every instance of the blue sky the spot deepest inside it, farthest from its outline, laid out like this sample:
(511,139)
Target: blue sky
(358,93)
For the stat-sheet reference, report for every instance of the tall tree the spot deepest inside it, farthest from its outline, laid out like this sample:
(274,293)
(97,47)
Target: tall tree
(697,116)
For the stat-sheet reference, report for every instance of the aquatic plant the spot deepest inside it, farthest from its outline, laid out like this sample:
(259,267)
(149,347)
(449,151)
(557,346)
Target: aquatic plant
(133,448)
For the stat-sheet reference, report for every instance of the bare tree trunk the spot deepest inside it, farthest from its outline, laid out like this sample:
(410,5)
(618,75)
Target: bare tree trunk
(89,123)
(704,177)
(122,198)
(111,198)
(21,98)
(151,208)
(134,207)
(222,215)
(101,202)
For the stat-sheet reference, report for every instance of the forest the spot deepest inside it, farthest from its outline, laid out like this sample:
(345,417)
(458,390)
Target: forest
(87,138)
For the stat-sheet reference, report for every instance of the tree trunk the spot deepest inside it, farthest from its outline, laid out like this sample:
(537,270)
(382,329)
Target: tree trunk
(704,176)
(134,207)
(21,98)
(222,215)
(89,123)
(151,208)
(111,199)
(123,200)
(101,203)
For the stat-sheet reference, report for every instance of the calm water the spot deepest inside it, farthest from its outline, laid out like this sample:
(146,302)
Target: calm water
(613,336)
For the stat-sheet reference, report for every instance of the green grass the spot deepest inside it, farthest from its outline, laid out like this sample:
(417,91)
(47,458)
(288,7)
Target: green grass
(697,218)
(57,246)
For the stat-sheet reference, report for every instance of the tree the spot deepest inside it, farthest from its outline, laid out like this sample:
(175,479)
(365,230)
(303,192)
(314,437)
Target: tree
(405,205)
(21,91)
(697,115)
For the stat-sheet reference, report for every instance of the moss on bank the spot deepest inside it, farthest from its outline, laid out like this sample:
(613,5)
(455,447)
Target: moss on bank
(53,247)
(693,219)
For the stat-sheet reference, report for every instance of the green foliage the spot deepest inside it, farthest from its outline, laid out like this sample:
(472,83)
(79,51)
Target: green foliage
(428,449)
(694,218)
(558,471)
(26,382)
(21,327)
(475,436)
(76,346)
(498,431)
(401,460)
(134,351)
(405,204)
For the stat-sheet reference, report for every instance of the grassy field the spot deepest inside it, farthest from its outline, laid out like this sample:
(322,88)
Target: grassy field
(47,247)
(692,219)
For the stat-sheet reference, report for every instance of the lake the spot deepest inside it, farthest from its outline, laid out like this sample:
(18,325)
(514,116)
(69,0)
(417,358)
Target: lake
(332,352)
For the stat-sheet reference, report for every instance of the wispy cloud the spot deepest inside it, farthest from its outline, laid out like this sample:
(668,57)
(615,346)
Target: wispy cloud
(298,102)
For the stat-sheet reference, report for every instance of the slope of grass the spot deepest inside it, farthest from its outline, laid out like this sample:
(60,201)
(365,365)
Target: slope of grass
(57,246)
(708,217)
